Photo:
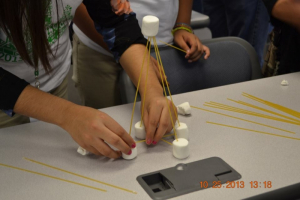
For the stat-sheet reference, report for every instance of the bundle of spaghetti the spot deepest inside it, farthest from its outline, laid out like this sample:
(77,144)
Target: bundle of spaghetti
(245,129)
(78,175)
(263,109)
(164,81)
(52,177)
(243,119)
(273,105)
(172,46)
(164,74)
(247,112)
(137,88)
(144,99)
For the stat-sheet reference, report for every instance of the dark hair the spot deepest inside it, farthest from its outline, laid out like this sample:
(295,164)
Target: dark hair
(23,21)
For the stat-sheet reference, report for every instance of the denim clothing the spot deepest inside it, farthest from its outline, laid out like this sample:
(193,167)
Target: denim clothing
(119,32)
(241,18)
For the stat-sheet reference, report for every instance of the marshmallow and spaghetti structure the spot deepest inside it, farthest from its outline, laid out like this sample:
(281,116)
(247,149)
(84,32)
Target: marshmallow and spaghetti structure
(150,27)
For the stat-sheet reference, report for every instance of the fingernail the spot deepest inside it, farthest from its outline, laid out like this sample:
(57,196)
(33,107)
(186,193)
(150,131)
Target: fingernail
(129,153)
(154,142)
(133,146)
(149,141)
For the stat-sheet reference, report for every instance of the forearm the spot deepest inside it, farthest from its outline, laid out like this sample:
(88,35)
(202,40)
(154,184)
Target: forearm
(132,60)
(119,31)
(288,11)
(84,22)
(185,11)
(43,106)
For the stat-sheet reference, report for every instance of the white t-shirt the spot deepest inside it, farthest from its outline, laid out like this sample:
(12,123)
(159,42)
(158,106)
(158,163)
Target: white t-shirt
(11,61)
(165,10)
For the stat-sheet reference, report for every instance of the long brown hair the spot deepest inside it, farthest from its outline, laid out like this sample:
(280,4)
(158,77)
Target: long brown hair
(23,21)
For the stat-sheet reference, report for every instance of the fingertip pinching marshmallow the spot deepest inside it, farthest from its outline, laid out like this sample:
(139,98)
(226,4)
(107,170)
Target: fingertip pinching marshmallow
(132,155)
(182,131)
(140,131)
(184,109)
(181,149)
(82,151)
(150,26)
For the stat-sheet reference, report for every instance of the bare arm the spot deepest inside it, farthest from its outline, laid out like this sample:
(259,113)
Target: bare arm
(156,107)
(288,11)
(185,11)
(88,127)
(186,40)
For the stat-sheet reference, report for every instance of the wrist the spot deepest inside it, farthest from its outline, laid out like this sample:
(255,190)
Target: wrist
(152,91)
(182,26)
(69,114)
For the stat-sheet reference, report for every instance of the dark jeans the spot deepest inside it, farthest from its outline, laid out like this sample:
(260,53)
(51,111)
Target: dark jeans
(247,19)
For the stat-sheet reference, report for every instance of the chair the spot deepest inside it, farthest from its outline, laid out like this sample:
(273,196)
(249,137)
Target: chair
(232,60)
(199,20)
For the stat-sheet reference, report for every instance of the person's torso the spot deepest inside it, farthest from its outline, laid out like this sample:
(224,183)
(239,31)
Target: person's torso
(165,10)
(58,36)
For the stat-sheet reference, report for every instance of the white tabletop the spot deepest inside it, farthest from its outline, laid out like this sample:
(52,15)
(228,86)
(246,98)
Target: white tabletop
(255,156)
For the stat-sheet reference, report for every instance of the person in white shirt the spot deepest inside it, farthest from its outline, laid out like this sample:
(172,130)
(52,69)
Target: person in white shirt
(98,84)
(35,56)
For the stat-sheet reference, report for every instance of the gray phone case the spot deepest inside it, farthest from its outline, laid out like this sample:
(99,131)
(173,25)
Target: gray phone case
(186,178)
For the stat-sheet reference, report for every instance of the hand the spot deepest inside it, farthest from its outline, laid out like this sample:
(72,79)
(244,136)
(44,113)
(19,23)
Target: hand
(120,7)
(91,128)
(156,69)
(157,118)
(192,45)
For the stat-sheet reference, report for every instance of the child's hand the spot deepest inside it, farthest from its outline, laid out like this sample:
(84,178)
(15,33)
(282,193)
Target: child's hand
(91,129)
(120,7)
(192,45)
(157,118)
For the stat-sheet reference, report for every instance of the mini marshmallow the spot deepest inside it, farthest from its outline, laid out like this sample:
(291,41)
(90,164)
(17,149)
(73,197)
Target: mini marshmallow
(140,131)
(150,26)
(82,151)
(182,131)
(131,156)
(184,109)
(181,148)
(284,83)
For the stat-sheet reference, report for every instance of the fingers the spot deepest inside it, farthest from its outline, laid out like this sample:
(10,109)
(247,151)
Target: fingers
(104,149)
(120,9)
(207,52)
(115,130)
(124,8)
(153,119)
(116,141)
(200,51)
(193,53)
(93,151)
(182,44)
(164,125)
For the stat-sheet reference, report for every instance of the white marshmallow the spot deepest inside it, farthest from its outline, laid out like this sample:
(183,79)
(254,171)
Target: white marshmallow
(150,26)
(140,131)
(181,148)
(284,83)
(82,151)
(184,109)
(131,156)
(182,131)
